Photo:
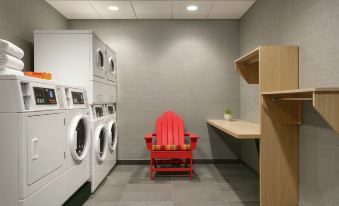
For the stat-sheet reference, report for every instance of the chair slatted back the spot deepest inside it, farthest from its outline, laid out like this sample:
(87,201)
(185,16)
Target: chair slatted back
(170,129)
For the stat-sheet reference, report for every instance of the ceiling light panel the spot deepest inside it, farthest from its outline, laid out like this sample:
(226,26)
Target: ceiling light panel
(102,7)
(180,9)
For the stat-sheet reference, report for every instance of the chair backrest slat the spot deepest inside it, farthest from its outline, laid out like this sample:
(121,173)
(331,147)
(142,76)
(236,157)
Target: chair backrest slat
(170,129)
(164,131)
(158,131)
(181,132)
(175,130)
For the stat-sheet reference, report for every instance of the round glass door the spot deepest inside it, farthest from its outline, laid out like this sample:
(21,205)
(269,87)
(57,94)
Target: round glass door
(79,141)
(81,137)
(101,143)
(111,66)
(100,58)
(112,135)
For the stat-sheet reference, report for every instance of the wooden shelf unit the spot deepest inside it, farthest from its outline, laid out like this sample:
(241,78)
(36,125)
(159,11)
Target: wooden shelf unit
(276,68)
(248,66)
(237,128)
(324,100)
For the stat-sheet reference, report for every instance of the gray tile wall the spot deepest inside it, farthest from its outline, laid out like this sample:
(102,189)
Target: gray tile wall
(182,65)
(18,19)
(313,25)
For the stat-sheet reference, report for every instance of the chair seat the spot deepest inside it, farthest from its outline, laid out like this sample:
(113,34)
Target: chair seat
(171,147)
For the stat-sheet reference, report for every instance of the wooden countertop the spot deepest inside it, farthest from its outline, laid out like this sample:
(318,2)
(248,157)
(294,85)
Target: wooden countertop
(239,129)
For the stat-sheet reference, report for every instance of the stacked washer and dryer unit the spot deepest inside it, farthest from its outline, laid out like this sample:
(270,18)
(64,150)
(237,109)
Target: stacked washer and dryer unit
(79,57)
(45,134)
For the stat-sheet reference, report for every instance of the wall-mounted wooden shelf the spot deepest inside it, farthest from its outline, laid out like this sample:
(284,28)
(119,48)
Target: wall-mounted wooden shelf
(274,68)
(325,101)
(237,128)
(248,66)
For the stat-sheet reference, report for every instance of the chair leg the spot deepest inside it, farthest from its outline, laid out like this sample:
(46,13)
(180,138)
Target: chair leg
(151,169)
(191,170)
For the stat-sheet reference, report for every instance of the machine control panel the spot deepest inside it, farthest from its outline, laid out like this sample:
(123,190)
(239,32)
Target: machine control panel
(78,98)
(99,111)
(110,109)
(44,96)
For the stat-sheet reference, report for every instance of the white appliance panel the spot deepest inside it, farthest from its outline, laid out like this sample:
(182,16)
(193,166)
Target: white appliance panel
(46,145)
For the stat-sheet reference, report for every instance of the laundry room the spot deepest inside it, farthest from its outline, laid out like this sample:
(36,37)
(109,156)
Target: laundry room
(169,102)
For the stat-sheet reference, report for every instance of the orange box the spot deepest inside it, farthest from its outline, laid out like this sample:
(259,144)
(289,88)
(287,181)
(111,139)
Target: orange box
(41,75)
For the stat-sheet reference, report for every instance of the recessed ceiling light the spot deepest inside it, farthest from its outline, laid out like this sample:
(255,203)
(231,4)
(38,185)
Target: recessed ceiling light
(113,8)
(192,8)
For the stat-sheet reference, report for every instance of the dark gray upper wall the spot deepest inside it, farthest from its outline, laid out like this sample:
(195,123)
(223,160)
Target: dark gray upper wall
(182,65)
(313,26)
(18,19)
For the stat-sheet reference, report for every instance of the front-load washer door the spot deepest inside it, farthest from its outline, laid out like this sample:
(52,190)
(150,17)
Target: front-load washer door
(111,65)
(99,58)
(100,143)
(45,145)
(79,138)
(112,135)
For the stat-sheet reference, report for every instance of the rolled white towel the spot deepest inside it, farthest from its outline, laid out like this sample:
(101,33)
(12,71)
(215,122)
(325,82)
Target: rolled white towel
(10,62)
(11,49)
(8,71)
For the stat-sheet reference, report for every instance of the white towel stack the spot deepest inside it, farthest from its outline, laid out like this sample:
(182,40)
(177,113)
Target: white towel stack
(10,58)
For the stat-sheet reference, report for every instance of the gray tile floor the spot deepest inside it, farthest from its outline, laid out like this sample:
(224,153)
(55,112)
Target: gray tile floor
(212,185)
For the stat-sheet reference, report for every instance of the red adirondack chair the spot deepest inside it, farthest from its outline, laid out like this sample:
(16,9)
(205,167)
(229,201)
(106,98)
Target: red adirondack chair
(170,144)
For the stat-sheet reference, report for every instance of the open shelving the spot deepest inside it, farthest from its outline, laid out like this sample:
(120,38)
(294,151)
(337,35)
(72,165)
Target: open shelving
(324,100)
(276,68)
(248,66)
(276,71)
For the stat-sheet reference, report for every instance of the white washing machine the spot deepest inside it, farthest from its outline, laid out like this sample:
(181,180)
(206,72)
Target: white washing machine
(99,165)
(78,136)
(112,134)
(33,147)
(76,53)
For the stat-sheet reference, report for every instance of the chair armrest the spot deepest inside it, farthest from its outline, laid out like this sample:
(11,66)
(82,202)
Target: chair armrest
(148,138)
(193,139)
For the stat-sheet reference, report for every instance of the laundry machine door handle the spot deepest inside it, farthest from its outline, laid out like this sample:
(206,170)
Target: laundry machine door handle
(35,149)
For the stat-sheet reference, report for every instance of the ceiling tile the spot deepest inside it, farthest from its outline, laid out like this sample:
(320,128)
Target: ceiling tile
(125,9)
(118,16)
(152,7)
(230,7)
(189,16)
(72,7)
(82,16)
(153,16)
(180,11)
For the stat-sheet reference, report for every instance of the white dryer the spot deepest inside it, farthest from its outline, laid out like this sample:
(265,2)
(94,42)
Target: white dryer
(99,167)
(78,136)
(33,143)
(112,134)
(76,57)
